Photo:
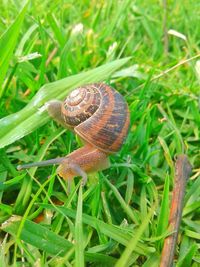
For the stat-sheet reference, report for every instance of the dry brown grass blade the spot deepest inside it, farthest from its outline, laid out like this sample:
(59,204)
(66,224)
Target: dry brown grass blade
(182,174)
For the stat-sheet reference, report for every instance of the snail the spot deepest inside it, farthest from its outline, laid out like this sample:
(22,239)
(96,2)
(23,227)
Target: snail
(99,115)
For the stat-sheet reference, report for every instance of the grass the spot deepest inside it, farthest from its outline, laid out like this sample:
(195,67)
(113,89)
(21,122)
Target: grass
(119,218)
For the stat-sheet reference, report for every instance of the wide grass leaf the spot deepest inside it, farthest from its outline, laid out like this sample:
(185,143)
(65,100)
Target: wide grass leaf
(44,239)
(34,115)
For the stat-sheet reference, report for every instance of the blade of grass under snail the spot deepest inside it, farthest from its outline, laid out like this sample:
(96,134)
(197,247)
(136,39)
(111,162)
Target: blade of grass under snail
(79,240)
(34,115)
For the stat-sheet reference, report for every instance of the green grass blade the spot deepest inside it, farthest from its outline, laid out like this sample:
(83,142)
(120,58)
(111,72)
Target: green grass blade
(164,211)
(37,236)
(130,248)
(191,208)
(7,163)
(56,29)
(3,258)
(192,234)
(152,261)
(130,186)
(3,177)
(44,239)
(193,192)
(186,260)
(124,205)
(34,115)
(25,39)
(106,208)
(172,125)
(167,154)
(7,44)
(79,245)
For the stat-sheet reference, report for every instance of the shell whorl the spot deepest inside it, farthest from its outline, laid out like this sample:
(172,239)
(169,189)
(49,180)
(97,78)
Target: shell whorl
(80,105)
(99,115)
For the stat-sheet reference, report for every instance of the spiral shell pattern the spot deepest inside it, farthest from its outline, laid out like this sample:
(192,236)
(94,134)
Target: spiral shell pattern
(80,105)
(99,115)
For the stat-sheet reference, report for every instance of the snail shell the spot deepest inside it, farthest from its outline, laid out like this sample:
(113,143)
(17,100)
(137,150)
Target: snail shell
(99,115)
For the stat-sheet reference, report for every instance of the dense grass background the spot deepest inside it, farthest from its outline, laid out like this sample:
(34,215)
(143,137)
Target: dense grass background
(120,216)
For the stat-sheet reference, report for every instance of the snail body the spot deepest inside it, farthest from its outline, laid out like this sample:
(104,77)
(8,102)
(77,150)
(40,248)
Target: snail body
(100,116)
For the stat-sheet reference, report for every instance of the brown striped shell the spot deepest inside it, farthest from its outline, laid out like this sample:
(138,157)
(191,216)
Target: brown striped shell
(99,115)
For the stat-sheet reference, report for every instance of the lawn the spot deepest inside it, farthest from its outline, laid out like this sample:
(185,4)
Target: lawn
(149,51)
